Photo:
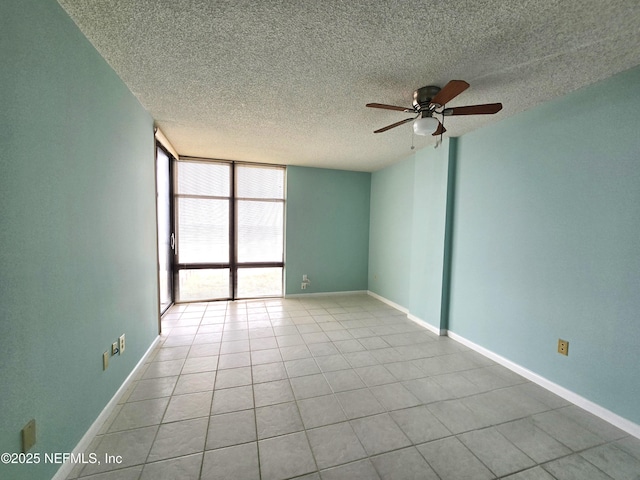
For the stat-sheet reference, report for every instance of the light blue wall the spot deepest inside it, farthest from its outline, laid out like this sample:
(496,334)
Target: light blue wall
(327,233)
(406,246)
(78,256)
(546,241)
(390,232)
(428,233)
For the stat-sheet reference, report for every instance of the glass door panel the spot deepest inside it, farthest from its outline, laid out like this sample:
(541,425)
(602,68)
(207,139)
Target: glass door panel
(165,251)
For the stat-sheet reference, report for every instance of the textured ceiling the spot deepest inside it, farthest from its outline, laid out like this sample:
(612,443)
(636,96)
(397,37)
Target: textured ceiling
(287,81)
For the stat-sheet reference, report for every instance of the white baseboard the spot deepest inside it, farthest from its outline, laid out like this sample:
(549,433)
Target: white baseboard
(388,302)
(324,294)
(591,407)
(411,317)
(65,469)
(442,332)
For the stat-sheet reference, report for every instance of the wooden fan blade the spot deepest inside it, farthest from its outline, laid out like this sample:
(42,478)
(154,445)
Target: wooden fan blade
(389,107)
(450,91)
(393,125)
(486,109)
(440,130)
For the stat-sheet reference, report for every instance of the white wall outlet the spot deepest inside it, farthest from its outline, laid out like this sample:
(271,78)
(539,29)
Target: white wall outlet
(114,348)
(305,278)
(122,344)
(303,285)
(563,347)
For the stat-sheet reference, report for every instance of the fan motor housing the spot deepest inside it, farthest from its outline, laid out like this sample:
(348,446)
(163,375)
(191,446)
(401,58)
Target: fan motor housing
(422,97)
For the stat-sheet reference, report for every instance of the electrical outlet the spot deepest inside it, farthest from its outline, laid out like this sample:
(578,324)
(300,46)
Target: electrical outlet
(563,347)
(114,348)
(28,435)
(105,360)
(122,344)
(303,286)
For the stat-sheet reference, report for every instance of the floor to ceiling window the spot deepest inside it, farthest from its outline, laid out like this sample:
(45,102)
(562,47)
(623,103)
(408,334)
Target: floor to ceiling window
(230,230)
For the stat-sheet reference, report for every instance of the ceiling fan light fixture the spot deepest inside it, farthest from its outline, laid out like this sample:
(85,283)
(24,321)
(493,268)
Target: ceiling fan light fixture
(425,125)
(427,101)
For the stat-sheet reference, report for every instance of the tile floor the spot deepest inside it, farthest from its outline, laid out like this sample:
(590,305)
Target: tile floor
(341,387)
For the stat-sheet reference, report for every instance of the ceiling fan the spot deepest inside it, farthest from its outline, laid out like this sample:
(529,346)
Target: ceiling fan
(430,100)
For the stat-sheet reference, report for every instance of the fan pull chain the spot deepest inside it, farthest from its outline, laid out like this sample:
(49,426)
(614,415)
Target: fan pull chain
(438,142)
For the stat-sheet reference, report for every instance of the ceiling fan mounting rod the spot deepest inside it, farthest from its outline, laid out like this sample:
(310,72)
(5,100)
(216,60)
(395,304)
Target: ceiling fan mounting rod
(422,97)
